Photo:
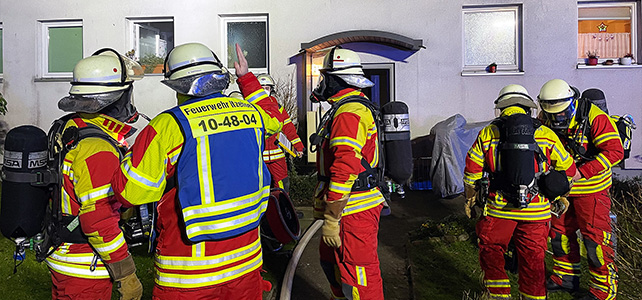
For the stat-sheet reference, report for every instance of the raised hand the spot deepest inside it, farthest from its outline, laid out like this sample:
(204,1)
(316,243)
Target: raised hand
(240,66)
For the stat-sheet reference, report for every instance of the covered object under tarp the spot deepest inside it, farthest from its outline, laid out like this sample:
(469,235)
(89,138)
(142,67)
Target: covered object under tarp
(453,138)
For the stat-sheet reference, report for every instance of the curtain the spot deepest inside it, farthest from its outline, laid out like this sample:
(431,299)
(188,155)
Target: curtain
(607,45)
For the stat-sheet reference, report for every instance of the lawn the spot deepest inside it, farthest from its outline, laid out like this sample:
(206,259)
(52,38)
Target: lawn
(32,279)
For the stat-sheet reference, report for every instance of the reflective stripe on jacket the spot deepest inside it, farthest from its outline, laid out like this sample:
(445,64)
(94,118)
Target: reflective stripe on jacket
(483,156)
(596,174)
(353,136)
(156,156)
(87,192)
(272,150)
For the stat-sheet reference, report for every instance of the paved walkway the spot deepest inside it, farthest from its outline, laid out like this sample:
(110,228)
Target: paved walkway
(407,214)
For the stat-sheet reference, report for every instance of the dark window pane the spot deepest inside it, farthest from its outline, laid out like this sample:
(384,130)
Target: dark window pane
(251,36)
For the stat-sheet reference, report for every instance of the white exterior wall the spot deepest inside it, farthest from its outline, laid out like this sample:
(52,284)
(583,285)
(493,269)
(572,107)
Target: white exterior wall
(429,81)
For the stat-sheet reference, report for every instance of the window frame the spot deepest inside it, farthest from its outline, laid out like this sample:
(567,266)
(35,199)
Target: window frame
(502,69)
(633,5)
(45,25)
(240,18)
(133,36)
(2,49)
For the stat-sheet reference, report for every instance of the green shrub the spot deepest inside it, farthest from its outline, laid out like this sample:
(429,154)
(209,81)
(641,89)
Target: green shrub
(302,187)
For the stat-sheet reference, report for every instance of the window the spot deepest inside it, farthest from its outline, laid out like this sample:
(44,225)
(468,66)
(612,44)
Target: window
(492,34)
(1,57)
(251,33)
(151,40)
(608,29)
(61,47)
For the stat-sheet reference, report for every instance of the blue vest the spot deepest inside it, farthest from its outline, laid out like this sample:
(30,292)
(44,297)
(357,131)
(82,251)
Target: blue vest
(223,183)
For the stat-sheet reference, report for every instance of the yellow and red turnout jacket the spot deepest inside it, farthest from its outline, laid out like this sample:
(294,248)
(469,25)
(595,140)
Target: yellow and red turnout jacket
(87,193)
(483,156)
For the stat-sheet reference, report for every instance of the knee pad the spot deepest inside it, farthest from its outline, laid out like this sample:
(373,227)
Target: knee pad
(594,253)
(559,243)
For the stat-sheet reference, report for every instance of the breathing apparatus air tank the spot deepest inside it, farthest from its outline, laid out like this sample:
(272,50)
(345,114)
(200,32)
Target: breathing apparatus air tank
(24,191)
(397,147)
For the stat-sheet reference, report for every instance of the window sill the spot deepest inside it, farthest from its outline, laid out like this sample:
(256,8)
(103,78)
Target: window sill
(614,66)
(53,79)
(498,73)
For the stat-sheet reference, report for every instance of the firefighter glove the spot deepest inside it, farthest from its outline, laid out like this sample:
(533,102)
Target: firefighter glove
(330,231)
(471,199)
(124,275)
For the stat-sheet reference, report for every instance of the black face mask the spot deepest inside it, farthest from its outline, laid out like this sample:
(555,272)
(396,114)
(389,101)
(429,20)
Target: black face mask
(123,110)
(327,87)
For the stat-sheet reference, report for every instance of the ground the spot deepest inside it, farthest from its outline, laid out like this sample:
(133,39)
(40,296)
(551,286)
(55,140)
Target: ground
(407,214)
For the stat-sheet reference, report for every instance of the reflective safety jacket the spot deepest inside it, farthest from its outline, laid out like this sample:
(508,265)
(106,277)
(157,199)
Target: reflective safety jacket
(87,192)
(605,139)
(353,136)
(272,150)
(483,156)
(210,149)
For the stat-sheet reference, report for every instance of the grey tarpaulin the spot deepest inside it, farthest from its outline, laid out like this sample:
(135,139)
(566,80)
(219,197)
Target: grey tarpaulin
(453,138)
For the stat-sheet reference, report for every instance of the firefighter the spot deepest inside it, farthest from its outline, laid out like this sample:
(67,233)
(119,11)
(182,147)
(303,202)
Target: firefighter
(504,218)
(201,160)
(273,154)
(347,203)
(593,140)
(100,97)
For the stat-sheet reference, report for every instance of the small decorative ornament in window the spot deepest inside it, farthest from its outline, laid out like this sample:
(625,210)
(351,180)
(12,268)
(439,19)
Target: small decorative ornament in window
(602,27)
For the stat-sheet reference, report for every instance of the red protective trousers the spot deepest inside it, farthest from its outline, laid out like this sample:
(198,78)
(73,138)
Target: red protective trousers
(75,288)
(356,260)
(242,288)
(279,171)
(590,214)
(530,240)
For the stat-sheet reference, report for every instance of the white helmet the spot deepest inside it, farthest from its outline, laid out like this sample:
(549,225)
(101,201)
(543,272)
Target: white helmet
(100,80)
(265,79)
(346,65)
(558,101)
(193,69)
(236,95)
(514,94)
(555,96)
(105,71)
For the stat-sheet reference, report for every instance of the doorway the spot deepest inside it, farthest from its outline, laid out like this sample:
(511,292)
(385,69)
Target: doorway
(382,75)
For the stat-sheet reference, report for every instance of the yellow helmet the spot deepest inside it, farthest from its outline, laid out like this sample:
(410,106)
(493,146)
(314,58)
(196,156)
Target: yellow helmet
(193,69)
(265,79)
(555,96)
(514,94)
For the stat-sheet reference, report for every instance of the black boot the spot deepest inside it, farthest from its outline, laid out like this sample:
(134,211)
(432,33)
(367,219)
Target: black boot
(551,286)
(589,297)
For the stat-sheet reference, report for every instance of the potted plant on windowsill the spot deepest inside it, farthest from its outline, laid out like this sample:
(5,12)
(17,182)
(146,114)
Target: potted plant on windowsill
(492,68)
(627,59)
(592,58)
